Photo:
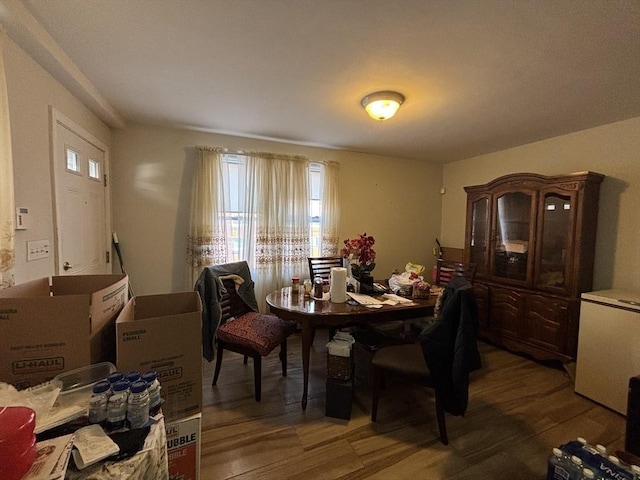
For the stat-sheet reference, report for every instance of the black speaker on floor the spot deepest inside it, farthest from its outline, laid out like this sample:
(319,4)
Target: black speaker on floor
(632,437)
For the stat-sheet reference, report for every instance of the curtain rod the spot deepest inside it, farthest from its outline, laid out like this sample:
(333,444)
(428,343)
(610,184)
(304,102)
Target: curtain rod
(261,153)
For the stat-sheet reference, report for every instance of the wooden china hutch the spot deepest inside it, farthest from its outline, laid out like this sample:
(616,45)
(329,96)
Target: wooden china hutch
(533,238)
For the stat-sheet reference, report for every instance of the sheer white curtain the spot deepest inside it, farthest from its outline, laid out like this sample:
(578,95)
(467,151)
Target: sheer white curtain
(7,209)
(269,216)
(282,242)
(330,210)
(206,239)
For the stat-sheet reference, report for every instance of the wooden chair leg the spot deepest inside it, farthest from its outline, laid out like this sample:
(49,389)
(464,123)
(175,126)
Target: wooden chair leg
(376,380)
(257,376)
(218,363)
(442,425)
(283,357)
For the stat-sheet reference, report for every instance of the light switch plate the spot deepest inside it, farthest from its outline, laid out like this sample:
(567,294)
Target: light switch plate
(38,249)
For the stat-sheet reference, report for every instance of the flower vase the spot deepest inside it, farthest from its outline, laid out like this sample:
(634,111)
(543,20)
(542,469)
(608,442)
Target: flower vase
(366,283)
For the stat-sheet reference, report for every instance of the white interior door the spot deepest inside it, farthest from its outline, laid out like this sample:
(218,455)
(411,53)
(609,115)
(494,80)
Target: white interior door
(80,200)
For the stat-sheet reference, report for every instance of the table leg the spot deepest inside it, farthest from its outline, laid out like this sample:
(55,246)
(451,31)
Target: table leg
(307,339)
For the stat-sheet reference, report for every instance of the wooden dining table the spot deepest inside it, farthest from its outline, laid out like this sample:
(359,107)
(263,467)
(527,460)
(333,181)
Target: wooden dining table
(311,313)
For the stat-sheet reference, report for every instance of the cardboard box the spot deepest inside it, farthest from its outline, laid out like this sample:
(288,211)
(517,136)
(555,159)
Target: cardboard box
(163,333)
(50,326)
(183,447)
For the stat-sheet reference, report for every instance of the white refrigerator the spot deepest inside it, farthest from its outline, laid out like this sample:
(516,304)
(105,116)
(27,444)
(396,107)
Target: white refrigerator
(608,346)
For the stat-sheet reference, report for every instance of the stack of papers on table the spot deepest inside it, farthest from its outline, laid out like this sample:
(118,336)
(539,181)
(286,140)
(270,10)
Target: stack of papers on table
(392,297)
(388,299)
(365,300)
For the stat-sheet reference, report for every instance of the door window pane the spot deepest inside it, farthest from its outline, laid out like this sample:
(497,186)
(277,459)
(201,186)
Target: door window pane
(94,169)
(73,160)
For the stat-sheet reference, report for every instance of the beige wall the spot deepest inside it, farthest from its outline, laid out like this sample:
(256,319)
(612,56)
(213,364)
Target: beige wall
(396,201)
(612,150)
(31,92)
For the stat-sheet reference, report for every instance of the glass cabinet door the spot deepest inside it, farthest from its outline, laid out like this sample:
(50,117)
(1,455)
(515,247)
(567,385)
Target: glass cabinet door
(513,214)
(479,234)
(553,262)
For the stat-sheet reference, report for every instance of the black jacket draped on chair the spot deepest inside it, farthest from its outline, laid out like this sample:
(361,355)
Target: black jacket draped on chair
(449,345)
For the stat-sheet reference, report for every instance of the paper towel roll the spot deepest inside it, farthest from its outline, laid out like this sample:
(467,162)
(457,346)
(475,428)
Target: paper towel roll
(338,288)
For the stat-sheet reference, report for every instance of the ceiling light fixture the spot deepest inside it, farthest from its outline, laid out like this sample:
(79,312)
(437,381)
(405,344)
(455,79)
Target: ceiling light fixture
(382,105)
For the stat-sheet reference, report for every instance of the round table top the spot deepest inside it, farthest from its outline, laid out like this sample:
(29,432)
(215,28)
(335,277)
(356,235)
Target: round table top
(284,300)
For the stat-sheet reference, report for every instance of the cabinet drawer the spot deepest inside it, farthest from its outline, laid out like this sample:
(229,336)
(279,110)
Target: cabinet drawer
(505,312)
(546,323)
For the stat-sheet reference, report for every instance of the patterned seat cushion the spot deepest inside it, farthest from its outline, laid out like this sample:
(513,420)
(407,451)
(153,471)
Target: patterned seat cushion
(261,332)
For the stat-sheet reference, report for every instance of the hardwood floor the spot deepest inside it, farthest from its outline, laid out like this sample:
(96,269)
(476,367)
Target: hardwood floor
(518,410)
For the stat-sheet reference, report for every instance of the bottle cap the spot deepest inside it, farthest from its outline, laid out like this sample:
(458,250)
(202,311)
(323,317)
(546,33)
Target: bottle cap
(101,386)
(121,385)
(115,377)
(150,376)
(132,376)
(139,386)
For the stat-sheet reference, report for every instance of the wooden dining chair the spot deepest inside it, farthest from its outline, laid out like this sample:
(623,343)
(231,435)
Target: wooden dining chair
(447,270)
(252,334)
(406,363)
(322,266)
(442,359)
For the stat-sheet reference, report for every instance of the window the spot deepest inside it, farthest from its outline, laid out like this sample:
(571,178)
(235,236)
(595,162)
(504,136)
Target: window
(235,214)
(272,210)
(315,208)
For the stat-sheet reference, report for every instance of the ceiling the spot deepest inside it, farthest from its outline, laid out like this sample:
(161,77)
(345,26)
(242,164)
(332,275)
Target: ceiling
(478,76)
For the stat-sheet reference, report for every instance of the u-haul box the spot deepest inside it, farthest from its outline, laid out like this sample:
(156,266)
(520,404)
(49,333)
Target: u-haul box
(164,333)
(183,447)
(50,326)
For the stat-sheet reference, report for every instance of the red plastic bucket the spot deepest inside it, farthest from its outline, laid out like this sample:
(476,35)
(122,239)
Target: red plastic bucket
(17,441)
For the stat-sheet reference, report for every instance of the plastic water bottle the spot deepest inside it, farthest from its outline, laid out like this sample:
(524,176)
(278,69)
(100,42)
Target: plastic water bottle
(587,474)
(559,466)
(155,400)
(138,405)
(117,408)
(99,401)
(576,468)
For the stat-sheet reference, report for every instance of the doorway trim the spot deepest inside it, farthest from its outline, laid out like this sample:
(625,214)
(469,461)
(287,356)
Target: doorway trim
(58,118)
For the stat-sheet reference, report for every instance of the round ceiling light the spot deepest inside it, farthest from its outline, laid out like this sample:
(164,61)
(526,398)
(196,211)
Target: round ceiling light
(382,105)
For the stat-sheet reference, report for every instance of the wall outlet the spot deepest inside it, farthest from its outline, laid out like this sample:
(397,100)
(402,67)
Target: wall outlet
(38,249)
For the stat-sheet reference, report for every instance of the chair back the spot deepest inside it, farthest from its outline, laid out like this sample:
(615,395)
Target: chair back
(446,271)
(322,266)
(231,305)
